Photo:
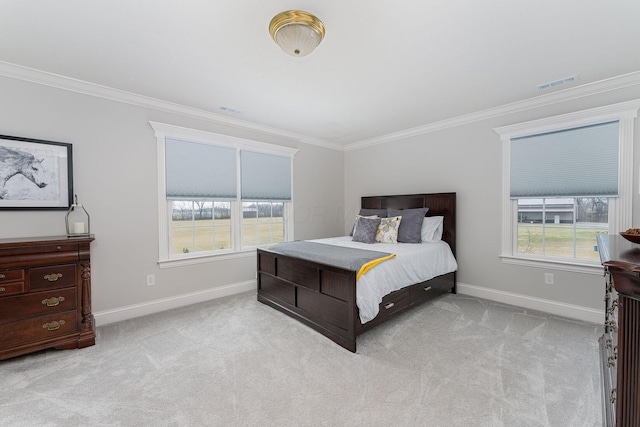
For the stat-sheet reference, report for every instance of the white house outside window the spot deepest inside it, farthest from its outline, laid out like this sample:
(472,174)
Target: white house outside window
(565,180)
(220,196)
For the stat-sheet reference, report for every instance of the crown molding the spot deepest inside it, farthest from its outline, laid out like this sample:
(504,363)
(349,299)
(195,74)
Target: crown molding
(79,86)
(606,85)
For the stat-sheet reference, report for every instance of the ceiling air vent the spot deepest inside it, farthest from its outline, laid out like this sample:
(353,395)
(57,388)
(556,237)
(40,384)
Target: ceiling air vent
(555,83)
(229,110)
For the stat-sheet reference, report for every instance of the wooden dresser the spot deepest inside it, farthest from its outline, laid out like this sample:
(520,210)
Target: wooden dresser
(45,294)
(620,343)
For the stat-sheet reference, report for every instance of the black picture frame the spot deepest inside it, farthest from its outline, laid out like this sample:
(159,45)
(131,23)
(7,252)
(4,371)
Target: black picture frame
(35,174)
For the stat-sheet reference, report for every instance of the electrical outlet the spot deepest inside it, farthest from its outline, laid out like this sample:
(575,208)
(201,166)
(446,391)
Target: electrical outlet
(548,278)
(151,279)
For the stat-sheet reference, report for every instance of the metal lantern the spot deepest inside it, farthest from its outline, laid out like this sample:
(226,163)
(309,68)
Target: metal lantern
(77,220)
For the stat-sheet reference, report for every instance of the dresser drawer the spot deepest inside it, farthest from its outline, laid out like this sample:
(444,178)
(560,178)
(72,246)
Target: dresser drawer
(394,302)
(38,304)
(11,276)
(52,277)
(37,329)
(36,255)
(11,288)
(11,282)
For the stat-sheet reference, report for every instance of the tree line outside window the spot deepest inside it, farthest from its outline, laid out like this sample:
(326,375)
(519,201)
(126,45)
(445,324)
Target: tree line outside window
(192,210)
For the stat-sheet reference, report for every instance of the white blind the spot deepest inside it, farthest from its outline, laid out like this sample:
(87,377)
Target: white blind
(578,162)
(265,176)
(195,170)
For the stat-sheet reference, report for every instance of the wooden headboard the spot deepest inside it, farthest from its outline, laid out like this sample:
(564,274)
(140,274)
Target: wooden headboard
(443,204)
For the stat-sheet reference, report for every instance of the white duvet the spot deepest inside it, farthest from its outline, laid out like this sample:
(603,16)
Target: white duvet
(414,263)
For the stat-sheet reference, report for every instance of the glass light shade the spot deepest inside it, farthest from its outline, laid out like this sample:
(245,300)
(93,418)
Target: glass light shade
(297,40)
(297,32)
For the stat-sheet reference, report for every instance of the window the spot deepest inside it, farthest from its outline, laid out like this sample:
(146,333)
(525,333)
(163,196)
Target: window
(561,227)
(565,180)
(220,195)
(262,223)
(200,226)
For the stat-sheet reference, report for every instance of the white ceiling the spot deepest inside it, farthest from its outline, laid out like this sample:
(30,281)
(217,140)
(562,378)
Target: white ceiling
(384,66)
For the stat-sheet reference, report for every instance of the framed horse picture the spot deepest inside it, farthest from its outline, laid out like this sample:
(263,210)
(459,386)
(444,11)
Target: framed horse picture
(35,174)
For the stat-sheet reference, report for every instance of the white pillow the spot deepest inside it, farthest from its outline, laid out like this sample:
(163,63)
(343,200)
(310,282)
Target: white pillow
(431,228)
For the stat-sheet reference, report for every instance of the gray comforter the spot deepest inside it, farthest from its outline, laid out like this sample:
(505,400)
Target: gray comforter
(337,256)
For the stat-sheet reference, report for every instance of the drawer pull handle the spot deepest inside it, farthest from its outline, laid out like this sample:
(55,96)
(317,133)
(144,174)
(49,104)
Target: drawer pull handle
(388,306)
(53,276)
(53,325)
(53,301)
(428,288)
(2,276)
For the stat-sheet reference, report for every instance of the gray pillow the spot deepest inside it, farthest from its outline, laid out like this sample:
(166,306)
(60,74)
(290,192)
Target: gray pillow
(366,229)
(411,224)
(382,213)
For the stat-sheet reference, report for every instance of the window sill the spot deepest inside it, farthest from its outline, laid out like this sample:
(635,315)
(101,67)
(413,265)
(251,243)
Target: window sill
(575,267)
(201,259)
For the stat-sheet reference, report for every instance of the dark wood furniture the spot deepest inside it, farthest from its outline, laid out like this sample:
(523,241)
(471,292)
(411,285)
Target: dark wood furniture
(620,343)
(324,297)
(45,294)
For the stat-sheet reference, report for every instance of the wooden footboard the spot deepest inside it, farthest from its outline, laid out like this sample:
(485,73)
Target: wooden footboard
(323,297)
(320,296)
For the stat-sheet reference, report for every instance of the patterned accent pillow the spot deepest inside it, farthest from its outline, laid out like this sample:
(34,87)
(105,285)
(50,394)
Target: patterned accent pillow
(366,230)
(388,230)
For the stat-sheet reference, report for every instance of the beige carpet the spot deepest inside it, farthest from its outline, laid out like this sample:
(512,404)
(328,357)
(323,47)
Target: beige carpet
(457,361)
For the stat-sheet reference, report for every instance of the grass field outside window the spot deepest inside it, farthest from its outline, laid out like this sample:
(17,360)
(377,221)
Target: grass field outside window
(557,240)
(198,235)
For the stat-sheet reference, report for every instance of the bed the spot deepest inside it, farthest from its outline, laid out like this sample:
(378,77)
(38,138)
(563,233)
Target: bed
(324,296)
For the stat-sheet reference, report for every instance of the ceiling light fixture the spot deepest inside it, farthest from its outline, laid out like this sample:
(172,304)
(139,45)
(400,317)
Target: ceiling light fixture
(298,33)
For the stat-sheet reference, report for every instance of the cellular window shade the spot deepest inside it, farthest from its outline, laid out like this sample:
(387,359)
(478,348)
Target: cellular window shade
(578,162)
(265,176)
(195,170)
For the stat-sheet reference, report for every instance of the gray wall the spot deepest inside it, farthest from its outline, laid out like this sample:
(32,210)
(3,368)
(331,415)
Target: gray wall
(115,178)
(114,151)
(467,159)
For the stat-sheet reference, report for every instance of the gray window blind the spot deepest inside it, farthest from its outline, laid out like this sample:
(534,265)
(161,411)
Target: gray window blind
(265,176)
(578,162)
(195,170)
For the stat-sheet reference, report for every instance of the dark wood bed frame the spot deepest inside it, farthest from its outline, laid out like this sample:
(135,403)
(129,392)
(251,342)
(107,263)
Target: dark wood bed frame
(323,297)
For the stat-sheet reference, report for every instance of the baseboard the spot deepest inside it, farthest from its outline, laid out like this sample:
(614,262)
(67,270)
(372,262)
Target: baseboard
(143,309)
(553,307)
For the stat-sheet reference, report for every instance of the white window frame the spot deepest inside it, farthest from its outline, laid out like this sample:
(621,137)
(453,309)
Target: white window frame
(620,208)
(165,258)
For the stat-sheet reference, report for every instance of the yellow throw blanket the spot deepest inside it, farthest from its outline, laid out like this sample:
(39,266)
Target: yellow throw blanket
(368,266)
